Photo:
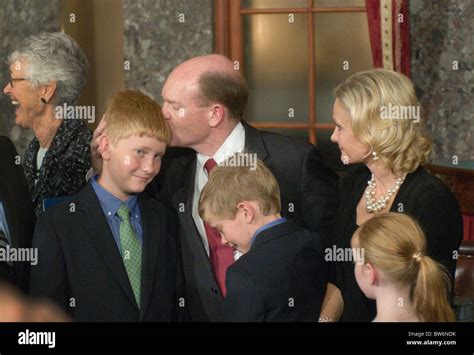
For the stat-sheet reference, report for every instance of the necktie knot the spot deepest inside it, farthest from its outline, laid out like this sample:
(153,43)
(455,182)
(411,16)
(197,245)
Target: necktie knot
(124,213)
(209,165)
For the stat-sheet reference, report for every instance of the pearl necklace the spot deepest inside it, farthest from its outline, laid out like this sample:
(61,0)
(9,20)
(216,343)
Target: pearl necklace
(373,206)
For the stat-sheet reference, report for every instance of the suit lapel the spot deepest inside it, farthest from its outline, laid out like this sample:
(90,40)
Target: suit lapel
(102,237)
(152,241)
(185,195)
(254,142)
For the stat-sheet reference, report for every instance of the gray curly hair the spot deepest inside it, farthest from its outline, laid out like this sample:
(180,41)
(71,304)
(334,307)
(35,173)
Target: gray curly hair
(54,57)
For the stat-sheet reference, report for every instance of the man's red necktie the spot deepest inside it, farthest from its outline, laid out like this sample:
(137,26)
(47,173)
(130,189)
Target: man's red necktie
(221,256)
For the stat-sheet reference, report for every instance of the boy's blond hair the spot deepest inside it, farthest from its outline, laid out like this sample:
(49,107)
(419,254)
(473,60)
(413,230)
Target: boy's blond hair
(131,113)
(229,185)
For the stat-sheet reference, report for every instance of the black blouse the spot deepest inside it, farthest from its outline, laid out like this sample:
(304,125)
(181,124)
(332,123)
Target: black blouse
(64,168)
(422,196)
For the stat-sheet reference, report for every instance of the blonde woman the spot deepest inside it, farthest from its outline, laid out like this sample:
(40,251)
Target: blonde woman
(395,271)
(379,124)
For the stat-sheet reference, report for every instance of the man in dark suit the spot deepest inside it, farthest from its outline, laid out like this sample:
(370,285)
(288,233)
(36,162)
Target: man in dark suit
(204,104)
(281,275)
(17,218)
(110,253)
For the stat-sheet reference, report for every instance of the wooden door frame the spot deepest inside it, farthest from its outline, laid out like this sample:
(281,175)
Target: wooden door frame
(228,41)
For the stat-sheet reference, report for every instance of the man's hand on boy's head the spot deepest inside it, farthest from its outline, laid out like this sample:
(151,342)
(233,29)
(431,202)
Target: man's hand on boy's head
(96,156)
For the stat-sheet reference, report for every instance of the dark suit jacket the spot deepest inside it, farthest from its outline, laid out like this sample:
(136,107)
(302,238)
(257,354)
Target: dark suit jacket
(308,195)
(18,208)
(281,278)
(78,258)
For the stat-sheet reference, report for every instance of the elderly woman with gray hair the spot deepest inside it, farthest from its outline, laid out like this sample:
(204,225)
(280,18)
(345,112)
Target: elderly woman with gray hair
(47,74)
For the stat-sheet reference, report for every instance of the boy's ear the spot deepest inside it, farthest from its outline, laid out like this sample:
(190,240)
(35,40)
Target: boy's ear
(104,146)
(247,210)
(216,115)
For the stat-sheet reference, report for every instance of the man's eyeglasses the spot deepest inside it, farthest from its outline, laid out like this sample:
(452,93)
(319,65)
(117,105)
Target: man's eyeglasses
(16,79)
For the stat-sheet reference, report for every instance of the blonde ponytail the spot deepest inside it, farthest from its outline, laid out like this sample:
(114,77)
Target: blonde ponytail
(396,244)
(431,292)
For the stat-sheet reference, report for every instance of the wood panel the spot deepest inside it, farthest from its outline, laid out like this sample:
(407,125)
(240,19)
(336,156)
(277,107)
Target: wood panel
(461,183)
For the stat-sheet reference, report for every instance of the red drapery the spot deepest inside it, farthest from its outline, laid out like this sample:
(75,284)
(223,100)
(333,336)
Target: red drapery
(389,31)
(468,221)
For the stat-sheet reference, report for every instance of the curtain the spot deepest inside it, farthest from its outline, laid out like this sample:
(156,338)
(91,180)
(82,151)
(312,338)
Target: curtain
(468,221)
(389,33)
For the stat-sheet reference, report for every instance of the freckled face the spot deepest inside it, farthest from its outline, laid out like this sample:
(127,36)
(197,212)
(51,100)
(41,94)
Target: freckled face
(133,163)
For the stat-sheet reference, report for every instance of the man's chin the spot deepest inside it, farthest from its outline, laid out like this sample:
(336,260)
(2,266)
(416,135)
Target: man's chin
(175,143)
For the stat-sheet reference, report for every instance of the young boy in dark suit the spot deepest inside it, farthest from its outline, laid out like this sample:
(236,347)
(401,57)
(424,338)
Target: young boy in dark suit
(281,275)
(109,253)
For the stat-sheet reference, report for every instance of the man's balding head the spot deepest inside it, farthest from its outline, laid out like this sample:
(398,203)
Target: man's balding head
(203,100)
(217,80)
(194,67)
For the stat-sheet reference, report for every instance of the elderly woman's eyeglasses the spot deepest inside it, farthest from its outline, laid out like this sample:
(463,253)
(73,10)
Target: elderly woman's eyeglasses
(16,79)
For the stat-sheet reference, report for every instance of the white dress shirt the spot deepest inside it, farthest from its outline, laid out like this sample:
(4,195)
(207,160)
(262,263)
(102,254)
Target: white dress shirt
(235,143)
(39,160)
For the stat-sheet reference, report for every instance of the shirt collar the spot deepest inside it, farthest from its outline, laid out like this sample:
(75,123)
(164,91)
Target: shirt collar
(110,203)
(267,226)
(234,143)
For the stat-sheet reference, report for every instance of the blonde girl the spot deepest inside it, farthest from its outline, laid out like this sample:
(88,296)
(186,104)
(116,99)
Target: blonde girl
(395,270)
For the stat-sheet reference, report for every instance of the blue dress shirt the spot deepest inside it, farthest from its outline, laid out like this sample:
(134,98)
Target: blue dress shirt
(110,204)
(266,226)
